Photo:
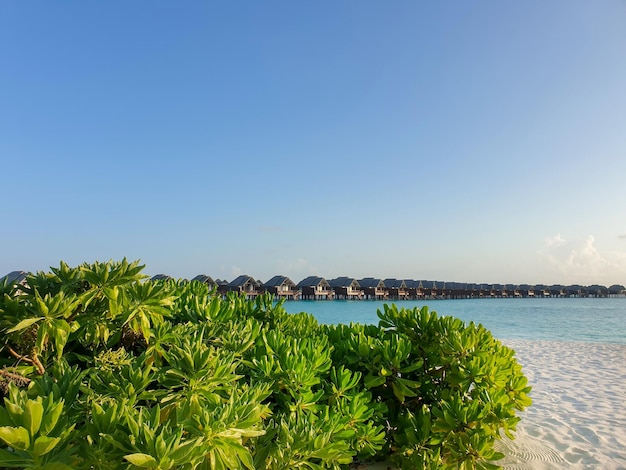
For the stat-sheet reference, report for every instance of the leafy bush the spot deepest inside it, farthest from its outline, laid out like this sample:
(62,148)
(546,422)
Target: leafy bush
(102,369)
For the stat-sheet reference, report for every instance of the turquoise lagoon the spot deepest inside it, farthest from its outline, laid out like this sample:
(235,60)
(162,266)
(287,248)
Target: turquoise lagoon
(590,320)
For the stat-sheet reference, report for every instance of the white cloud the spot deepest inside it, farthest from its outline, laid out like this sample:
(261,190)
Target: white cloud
(580,261)
(236,271)
(556,240)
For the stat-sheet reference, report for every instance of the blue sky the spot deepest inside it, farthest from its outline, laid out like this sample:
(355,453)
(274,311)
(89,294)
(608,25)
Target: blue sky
(460,141)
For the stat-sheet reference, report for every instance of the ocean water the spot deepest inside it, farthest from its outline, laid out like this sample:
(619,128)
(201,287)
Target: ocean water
(587,320)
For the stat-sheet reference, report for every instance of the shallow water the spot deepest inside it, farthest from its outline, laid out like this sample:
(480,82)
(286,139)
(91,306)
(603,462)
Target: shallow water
(554,319)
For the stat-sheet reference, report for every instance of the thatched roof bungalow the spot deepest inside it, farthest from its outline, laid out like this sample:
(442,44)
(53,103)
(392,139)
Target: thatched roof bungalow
(208,280)
(428,289)
(396,288)
(315,288)
(243,284)
(557,290)
(373,288)
(457,290)
(508,290)
(496,290)
(596,290)
(574,290)
(14,278)
(346,288)
(282,287)
(412,288)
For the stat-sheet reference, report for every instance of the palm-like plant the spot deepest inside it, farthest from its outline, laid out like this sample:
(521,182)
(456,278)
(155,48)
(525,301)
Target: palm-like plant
(45,328)
(37,432)
(145,307)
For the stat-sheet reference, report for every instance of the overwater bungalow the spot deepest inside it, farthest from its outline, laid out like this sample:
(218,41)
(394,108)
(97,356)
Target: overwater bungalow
(468,290)
(206,280)
(14,278)
(557,290)
(508,291)
(447,289)
(457,290)
(471,290)
(396,289)
(282,288)
(346,288)
(373,288)
(315,288)
(161,277)
(428,289)
(435,289)
(596,290)
(496,291)
(487,291)
(617,290)
(243,284)
(412,288)
(575,290)
(443,291)
(525,290)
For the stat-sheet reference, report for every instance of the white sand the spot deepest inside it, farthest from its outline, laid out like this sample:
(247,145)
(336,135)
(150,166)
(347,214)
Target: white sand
(578,416)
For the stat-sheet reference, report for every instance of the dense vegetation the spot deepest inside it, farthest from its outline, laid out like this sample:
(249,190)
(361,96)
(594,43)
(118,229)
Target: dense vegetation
(102,369)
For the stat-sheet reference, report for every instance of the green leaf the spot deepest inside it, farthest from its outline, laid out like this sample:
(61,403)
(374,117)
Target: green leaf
(141,460)
(17,438)
(61,333)
(14,411)
(372,381)
(51,417)
(43,308)
(183,452)
(32,416)
(24,324)
(245,457)
(44,444)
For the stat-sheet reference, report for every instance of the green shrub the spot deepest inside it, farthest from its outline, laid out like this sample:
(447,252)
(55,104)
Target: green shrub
(102,369)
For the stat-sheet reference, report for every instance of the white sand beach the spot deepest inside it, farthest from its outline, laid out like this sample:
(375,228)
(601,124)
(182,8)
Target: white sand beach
(578,416)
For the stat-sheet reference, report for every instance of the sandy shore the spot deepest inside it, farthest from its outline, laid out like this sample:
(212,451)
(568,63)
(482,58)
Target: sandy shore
(578,417)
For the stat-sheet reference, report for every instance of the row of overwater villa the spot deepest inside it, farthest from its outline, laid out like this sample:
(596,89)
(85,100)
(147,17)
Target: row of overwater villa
(369,288)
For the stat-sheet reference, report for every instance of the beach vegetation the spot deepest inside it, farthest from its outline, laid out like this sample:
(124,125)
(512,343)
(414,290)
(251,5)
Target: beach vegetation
(103,369)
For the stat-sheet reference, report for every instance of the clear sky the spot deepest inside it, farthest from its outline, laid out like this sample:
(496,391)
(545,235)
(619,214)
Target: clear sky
(457,141)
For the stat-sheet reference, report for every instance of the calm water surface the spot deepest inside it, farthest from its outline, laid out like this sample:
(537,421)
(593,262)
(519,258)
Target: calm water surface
(569,319)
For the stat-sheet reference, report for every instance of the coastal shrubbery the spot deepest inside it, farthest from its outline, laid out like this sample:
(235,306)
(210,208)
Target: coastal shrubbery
(102,369)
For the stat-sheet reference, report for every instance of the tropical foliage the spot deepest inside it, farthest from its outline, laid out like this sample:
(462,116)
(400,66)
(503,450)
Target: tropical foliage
(103,369)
